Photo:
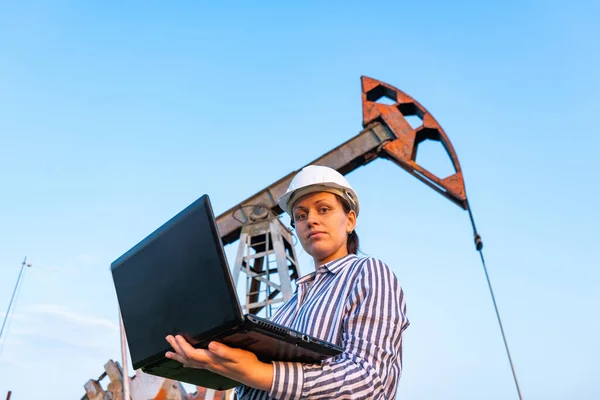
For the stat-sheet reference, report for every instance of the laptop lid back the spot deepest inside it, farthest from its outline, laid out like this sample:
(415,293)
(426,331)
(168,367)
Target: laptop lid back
(175,281)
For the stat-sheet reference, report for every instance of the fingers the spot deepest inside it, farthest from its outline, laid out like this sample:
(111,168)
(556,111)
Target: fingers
(180,354)
(237,364)
(174,344)
(218,358)
(186,354)
(176,357)
(184,346)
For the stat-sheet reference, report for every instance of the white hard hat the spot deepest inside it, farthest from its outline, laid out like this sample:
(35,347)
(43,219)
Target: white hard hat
(318,178)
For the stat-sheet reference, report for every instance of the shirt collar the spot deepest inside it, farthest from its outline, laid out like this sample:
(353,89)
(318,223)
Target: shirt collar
(332,267)
(336,266)
(306,278)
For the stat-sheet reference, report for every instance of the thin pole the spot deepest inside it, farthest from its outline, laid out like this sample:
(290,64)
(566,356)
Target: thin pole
(124,359)
(8,395)
(479,247)
(512,367)
(23,264)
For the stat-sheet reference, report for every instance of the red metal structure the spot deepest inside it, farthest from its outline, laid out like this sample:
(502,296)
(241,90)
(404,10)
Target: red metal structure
(403,149)
(386,134)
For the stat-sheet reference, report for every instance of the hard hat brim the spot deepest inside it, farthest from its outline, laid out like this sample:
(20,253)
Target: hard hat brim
(289,199)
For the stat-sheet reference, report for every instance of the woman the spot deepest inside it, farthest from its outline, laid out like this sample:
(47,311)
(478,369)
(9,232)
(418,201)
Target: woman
(356,303)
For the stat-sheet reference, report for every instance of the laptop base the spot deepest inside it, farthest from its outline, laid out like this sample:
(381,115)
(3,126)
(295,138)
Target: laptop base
(266,339)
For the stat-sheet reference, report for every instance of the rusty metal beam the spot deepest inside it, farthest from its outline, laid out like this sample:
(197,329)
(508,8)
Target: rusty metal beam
(356,152)
(386,134)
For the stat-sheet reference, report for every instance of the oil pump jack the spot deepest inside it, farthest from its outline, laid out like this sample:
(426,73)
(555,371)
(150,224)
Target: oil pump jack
(386,134)
(266,253)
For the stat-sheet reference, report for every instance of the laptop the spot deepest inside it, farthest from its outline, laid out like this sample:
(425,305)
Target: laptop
(177,281)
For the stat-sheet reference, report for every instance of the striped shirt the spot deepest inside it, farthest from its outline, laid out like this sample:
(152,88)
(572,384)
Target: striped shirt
(358,304)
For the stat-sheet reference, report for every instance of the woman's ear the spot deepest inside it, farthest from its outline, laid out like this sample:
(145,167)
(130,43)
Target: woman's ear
(350,221)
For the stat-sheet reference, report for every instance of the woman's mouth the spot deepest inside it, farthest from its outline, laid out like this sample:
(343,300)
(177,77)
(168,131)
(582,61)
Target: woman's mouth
(315,234)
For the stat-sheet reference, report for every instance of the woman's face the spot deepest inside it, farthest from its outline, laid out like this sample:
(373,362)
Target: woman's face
(322,226)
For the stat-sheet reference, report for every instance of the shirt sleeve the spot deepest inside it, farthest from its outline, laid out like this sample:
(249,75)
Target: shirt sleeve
(371,364)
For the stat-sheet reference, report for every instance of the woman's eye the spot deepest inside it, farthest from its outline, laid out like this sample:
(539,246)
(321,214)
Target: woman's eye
(323,209)
(300,217)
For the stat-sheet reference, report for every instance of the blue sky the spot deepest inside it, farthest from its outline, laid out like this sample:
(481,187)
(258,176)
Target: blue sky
(115,117)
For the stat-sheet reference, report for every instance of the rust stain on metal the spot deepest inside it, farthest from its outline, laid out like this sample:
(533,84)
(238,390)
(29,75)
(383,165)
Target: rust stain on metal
(403,149)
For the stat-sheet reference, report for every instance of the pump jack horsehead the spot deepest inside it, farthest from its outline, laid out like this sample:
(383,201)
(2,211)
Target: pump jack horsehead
(403,149)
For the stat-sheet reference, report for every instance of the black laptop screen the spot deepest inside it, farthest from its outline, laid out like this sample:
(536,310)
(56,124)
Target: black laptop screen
(174,281)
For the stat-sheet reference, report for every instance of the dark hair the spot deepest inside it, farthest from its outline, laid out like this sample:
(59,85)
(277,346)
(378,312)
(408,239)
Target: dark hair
(352,242)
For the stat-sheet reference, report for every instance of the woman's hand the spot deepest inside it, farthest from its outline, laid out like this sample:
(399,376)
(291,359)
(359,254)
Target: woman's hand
(237,364)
